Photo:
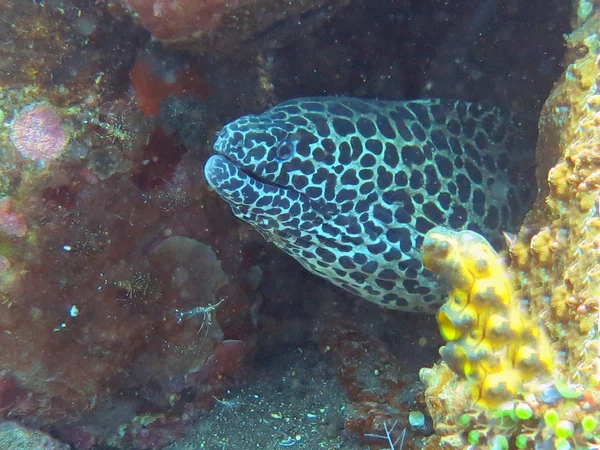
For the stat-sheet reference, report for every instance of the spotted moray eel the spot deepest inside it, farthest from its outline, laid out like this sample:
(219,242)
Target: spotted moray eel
(349,187)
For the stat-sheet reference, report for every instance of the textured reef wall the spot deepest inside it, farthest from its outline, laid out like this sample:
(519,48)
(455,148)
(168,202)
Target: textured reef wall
(126,286)
(555,269)
(130,298)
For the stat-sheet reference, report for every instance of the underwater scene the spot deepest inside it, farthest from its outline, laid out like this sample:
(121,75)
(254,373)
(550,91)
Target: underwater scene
(299,224)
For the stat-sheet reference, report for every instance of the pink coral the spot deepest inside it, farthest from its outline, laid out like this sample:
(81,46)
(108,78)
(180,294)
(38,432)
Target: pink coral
(11,222)
(38,133)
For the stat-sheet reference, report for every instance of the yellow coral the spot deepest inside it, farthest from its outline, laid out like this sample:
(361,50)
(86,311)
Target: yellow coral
(489,341)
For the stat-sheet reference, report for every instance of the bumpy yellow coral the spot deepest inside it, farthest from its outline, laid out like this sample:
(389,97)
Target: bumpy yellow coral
(490,342)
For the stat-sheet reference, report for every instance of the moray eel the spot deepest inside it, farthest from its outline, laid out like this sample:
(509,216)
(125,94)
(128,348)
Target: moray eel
(349,187)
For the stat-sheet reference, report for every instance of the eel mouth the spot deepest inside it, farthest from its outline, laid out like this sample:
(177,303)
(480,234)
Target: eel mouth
(242,188)
(221,169)
(225,176)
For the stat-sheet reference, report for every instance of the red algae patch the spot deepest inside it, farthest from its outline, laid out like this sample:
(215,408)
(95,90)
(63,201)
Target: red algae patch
(37,132)
(150,89)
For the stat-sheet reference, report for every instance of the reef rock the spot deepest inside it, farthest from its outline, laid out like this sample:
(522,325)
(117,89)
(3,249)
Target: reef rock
(16,437)
(555,258)
(230,24)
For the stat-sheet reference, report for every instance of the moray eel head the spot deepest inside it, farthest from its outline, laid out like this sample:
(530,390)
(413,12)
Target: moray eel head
(350,187)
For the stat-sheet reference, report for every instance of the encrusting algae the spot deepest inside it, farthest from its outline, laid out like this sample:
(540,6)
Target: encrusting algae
(502,383)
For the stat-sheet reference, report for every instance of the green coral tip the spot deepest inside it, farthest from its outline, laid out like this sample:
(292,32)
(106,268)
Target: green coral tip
(551,418)
(523,411)
(500,443)
(464,420)
(562,444)
(473,437)
(568,390)
(564,429)
(503,411)
(588,424)
(521,441)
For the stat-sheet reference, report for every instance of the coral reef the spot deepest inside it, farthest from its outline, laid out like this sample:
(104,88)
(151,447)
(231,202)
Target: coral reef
(490,342)
(554,268)
(498,354)
(130,298)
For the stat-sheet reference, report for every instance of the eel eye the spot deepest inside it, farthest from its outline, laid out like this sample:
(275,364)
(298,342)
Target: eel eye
(285,150)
